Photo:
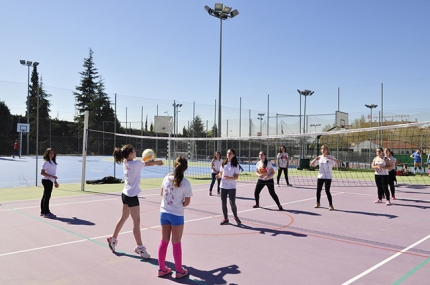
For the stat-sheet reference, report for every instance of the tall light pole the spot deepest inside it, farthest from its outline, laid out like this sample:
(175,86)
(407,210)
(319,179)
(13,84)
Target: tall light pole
(371,107)
(175,117)
(315,125)
(305,93)
(222,13)
(260,117)
(28,64)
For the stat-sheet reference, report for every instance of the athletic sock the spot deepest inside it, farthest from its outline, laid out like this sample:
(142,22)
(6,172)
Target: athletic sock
(177,255)
(162,251)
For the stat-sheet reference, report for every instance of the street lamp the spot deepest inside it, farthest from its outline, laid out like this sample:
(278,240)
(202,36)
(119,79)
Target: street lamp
(260,117)
(305,93)
(222,13)
(175,117)
(315,125)
(371,107)
(28,64)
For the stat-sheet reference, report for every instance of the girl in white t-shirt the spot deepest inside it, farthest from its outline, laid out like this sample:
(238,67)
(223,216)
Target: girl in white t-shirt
(129,196)
(176,192)
(265,172)
(229,172)
(215,165)
(282,162)
(381,164)
(392,172)
(49,179)
(326,163)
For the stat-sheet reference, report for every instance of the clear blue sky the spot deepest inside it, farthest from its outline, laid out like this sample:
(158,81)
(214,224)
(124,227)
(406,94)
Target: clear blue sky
(169,50)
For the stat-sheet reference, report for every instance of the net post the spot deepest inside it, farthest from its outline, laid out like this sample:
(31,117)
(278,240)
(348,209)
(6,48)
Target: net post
(84,149)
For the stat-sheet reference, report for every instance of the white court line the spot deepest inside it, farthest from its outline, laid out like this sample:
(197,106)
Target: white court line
(153,227)
(384,261)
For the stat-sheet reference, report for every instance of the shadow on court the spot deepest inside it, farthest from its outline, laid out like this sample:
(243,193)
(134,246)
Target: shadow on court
(75,221)
(270,231)
(369,214)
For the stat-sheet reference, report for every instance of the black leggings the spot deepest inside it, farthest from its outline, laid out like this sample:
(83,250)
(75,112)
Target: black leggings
(270,185)
(327,184)
(382,184)
(280,169)
(232,197)
(47,190)
(391,179)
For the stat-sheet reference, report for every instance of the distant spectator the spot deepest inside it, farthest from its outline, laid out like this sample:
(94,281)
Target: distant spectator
(405,171)
(16,149)
(428,163)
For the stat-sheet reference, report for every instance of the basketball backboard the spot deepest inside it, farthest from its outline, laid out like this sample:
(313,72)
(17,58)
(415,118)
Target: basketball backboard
(341,119)
(23,128)
(163,124)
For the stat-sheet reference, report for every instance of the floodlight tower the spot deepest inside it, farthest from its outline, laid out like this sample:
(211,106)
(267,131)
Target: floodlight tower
(371,107)
(28,64)
(222,13)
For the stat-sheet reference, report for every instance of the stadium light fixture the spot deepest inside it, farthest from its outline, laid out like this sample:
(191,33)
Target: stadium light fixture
(221,12)
(28,64)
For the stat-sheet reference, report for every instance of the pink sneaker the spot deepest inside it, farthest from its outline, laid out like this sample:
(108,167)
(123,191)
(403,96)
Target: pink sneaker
(164,272)
(388,203)
(378,201)
(393,198)
(181,274)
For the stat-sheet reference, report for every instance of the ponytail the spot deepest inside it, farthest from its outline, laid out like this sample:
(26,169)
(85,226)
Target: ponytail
(181,164)
(121,154)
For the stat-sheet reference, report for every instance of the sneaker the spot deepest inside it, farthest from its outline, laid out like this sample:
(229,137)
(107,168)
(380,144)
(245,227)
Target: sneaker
(280,208)
(210,193)
(141,250)
(112,242)
(181,274)
(224,222)
(377,201)
(330,208)
(317,205)
(50,216)
(393,198)
(237,221)
(217,194)
(164,272)
(279,185)
(291,185)
(388,203)
(256,206)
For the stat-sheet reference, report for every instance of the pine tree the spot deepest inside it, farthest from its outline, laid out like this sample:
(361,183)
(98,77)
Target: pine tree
(91,96)
(197,128)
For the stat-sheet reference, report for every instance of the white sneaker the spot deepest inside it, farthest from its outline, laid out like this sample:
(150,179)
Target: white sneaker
(141,250)
(112,243)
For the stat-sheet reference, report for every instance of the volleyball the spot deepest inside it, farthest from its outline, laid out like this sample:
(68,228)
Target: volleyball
(148,155)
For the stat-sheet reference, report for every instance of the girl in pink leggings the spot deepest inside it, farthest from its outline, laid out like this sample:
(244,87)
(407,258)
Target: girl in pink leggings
(176,193)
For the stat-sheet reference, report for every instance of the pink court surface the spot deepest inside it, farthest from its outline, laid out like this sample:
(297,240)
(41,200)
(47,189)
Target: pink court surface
(358,243)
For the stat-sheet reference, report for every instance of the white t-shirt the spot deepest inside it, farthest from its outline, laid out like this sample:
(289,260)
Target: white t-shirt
(264,170)
(283,160)
(381,171)
(217,165)
(132,171)
(393,160)
(50,168)
(173,196)
(229,170)
(326,166)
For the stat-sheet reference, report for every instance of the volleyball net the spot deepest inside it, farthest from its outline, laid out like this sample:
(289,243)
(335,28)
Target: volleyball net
(354,148)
